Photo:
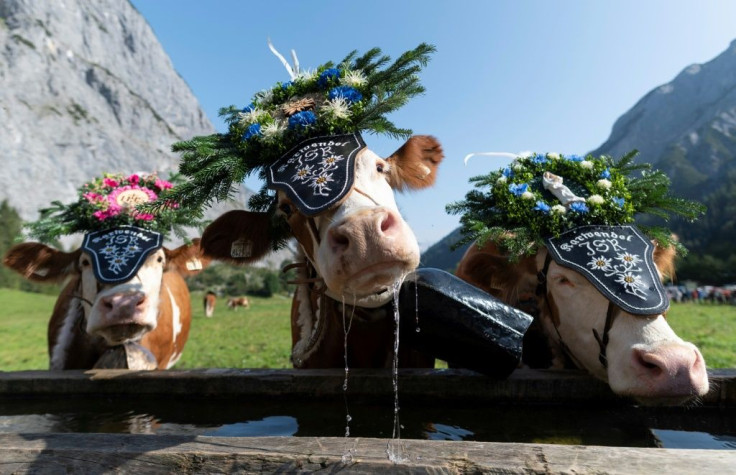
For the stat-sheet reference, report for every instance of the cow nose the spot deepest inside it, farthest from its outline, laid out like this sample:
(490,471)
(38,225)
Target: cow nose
(356,232)
(125,303)
(672,370)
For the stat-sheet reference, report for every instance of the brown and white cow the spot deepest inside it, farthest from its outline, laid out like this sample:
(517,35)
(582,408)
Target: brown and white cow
(351,257)
(210,299)
(89,318)
(234,303)
(645,358)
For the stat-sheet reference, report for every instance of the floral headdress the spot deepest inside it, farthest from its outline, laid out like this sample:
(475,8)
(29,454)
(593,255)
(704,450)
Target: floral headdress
(540,196)
(112,201)
(348,97)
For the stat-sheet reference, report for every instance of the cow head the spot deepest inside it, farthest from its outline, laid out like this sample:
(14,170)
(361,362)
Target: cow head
(118,312)
(360,245)
(645,358)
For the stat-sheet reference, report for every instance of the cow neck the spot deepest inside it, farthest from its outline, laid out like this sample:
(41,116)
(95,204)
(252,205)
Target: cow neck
(313,305)
(602,340)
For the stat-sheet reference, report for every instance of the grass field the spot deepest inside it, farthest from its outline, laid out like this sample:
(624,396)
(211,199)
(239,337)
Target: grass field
(260,337)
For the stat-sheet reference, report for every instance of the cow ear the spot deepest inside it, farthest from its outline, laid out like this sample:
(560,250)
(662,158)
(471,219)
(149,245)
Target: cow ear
(187,259)
(664,259)
(490,270)
(40,263)
(237,237)
(414,165)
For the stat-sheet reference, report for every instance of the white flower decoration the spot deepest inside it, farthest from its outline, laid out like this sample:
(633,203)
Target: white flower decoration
(604,184)
(600,263)
(559,209)
(302,173)
(517,166)
(272,131)
(587,164)
(527,195)
(337,107)
(354,78)
(306,75)
(501,180)
(553,156)
(265,96)
(248,118)
(596,199)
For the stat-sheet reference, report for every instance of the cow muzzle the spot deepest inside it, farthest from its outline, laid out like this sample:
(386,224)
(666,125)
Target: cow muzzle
(367,252)
(121,317)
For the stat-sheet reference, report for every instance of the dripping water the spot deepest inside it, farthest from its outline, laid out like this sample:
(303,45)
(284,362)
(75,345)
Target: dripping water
(347,456)
(416,303)
(395,450)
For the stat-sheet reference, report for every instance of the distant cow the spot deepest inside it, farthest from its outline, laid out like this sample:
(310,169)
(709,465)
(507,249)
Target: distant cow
(89,318)
(210,299)
(638,355)
(353,253)
(237,302)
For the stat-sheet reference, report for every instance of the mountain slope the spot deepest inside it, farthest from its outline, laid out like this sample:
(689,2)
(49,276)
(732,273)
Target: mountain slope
(85,87)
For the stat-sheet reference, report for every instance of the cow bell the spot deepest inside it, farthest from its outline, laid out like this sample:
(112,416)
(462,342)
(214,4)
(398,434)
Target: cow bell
(461,324)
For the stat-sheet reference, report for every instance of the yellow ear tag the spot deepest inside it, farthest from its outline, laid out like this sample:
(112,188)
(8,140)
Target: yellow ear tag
(241,248)
(194,264)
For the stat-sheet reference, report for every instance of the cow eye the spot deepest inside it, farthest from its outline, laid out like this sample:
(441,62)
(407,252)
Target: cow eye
(160,259)
(85,263)
(286,209)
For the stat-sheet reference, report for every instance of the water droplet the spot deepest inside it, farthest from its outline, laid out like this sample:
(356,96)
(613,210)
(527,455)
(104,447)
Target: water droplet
(418,329)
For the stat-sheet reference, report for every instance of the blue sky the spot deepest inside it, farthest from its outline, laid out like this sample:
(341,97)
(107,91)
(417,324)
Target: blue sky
(545,76)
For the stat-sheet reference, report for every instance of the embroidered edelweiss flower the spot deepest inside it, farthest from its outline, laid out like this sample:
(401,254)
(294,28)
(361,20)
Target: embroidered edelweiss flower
(559,209)
(628,258)
(298,105)
(600,263)
(331,160)
(302,173)
(337,107)
(319,183)
(630,281)
(596,199)
(587,164)
(354,78)
(109,249)
(272,131)
(604,184)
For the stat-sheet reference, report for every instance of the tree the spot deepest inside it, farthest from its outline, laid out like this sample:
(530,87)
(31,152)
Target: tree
(10,230)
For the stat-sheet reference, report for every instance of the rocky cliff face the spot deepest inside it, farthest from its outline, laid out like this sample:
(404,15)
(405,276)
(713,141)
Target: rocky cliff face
(686,127)
(85,88)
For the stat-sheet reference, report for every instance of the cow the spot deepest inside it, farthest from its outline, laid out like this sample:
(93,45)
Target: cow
(236,302)
(210,299)
(150,312)
(352,256)
(638,355)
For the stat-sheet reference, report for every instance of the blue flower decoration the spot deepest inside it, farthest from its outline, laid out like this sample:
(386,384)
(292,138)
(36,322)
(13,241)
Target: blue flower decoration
(346,92)
(606,174)
(539,159)
(249,108)
(542,206)
(508,172)
(575,158)
(579,207)
(253,130)
(619,201)
(327,75)
(302,119)
(287,84)
(518,190)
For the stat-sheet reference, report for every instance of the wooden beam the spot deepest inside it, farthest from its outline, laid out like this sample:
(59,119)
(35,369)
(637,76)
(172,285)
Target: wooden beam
(97,453)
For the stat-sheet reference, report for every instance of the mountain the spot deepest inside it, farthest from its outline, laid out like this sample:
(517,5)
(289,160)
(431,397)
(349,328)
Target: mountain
(85,88)
(686,128)
(441,255)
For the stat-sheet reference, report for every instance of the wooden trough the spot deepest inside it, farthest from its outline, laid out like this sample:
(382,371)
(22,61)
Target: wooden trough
(139,453)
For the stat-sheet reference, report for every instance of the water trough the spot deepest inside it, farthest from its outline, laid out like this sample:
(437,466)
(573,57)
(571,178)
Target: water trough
(452,420)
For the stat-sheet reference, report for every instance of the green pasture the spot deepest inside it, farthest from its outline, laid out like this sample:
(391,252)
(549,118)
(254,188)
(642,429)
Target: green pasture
(259,337)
